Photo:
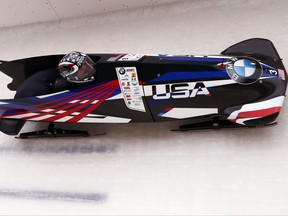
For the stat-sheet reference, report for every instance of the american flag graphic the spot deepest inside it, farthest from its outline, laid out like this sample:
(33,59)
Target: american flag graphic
(282,74)
(68,106)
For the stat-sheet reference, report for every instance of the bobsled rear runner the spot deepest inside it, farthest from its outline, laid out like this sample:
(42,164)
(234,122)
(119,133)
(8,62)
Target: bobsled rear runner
(244,86)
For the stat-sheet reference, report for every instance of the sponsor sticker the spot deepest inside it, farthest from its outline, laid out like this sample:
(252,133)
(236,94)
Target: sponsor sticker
(131,57)
(130,88)
(244,70)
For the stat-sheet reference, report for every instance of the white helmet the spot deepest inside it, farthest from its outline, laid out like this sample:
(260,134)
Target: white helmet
(77,67)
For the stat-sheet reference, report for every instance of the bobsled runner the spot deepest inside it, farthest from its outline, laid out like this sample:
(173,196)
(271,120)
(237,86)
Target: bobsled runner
(244,86)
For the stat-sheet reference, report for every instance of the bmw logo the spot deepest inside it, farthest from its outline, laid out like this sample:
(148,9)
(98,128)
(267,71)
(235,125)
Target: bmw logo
(122,71)
(244,70)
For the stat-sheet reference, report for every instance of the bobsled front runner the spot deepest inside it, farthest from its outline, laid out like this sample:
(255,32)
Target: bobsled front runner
(244,86)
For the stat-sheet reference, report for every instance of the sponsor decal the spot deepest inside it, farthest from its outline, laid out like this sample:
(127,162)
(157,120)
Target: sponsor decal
(114,58)
(122,71)
(244,70)
(131,57)
(130,88)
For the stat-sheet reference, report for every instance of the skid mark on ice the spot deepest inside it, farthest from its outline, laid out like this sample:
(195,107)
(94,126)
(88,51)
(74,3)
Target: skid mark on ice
(66,149)
(50,195)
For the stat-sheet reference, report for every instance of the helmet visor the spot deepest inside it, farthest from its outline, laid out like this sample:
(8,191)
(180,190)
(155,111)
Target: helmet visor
(82,75)
(75,72)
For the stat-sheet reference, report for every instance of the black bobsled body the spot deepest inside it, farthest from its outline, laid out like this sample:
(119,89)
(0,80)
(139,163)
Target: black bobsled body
(245,85)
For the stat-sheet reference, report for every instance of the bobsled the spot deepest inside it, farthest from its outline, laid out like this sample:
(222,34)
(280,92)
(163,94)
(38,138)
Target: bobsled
(244,86)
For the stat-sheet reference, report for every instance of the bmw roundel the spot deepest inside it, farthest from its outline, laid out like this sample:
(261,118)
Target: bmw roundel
(244,70)
(122,71)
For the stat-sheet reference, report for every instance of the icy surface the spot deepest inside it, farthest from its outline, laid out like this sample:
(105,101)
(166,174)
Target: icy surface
(144,169)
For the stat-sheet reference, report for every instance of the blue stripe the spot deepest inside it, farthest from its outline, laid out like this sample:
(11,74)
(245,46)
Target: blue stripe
(195,59)
(190,75)
(69,93)
(11,105)
(118,91)
(268,67)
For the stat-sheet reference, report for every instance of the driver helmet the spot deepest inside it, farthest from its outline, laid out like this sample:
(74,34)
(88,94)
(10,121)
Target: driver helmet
(77,67)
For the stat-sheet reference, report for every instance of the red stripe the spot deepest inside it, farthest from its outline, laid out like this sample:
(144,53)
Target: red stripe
(168,109)
(64,106)
(63,101)
(93,107)
(259,113)
(113,86)
(54,104)
(72,96)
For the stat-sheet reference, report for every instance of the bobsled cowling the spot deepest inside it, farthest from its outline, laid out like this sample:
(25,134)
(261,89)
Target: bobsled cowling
(244,85)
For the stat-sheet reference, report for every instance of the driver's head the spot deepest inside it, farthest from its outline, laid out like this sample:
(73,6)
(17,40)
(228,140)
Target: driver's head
(77,67)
